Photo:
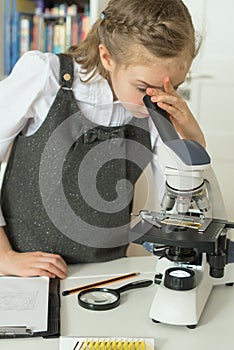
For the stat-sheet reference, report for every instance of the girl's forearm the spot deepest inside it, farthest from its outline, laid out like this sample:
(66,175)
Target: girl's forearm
(4,243)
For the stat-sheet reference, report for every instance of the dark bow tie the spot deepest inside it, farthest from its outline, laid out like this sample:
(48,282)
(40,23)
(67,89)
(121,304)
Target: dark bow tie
(103,134)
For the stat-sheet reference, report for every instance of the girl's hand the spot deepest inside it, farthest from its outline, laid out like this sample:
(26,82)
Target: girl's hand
(33,264)
(180,115)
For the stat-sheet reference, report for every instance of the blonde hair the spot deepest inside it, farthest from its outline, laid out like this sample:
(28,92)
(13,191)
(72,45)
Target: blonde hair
(163,27)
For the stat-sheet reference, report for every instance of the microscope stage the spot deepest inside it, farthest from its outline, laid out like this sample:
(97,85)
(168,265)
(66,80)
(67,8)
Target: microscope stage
(172,235)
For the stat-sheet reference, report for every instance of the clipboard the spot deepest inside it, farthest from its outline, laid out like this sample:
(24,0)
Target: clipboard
(52,309)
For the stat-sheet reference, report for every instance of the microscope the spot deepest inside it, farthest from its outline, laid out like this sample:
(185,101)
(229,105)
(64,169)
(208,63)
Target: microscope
(189,234)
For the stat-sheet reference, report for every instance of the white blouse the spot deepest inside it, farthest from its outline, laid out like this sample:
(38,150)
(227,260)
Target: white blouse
(27,94)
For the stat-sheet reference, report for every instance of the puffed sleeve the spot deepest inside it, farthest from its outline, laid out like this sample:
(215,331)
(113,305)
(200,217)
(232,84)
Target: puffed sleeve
(18,93)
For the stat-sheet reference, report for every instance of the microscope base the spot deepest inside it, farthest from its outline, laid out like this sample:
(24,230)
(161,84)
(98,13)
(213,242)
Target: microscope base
(184,308)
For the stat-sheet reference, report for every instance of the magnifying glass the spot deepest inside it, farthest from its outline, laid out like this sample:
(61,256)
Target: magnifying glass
(106,298)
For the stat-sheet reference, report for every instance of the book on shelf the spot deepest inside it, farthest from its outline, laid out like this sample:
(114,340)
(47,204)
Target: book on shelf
(7,38)
(2,39)
(59,37)
(25,34)
(15,36)
(32,26)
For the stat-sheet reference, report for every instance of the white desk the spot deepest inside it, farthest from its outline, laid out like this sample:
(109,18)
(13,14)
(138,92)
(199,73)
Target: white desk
(131,318)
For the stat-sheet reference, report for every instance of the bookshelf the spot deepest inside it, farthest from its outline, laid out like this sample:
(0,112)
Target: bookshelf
(49,27)
(2,43)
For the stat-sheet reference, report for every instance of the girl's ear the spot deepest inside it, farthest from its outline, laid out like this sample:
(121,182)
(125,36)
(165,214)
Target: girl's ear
(106,59)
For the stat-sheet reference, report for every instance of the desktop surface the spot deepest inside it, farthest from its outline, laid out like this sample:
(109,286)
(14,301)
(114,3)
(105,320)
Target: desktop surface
(131,318)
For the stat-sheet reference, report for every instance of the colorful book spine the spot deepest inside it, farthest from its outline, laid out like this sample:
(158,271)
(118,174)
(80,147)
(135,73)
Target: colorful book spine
(85,25)
(7,68)
(35,32)
(15,34)
(85,22)
(24,35)
(49,36)
(68,32)
(75,31)
(59,37)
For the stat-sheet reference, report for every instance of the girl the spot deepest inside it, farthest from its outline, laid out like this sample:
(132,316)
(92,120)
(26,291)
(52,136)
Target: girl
(80,127)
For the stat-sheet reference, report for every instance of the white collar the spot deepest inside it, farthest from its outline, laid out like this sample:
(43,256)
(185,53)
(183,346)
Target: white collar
(95,99)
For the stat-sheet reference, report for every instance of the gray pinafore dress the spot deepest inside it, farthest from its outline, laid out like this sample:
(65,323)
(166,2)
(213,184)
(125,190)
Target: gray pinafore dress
(68,187)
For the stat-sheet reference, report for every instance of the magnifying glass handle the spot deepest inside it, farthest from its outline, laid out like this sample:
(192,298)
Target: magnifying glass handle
(134,285)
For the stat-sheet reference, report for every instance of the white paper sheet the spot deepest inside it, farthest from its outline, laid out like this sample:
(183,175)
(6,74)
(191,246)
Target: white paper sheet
(24,302)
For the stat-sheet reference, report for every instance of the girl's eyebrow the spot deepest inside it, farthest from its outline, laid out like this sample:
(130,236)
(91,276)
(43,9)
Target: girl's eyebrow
(158,87)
